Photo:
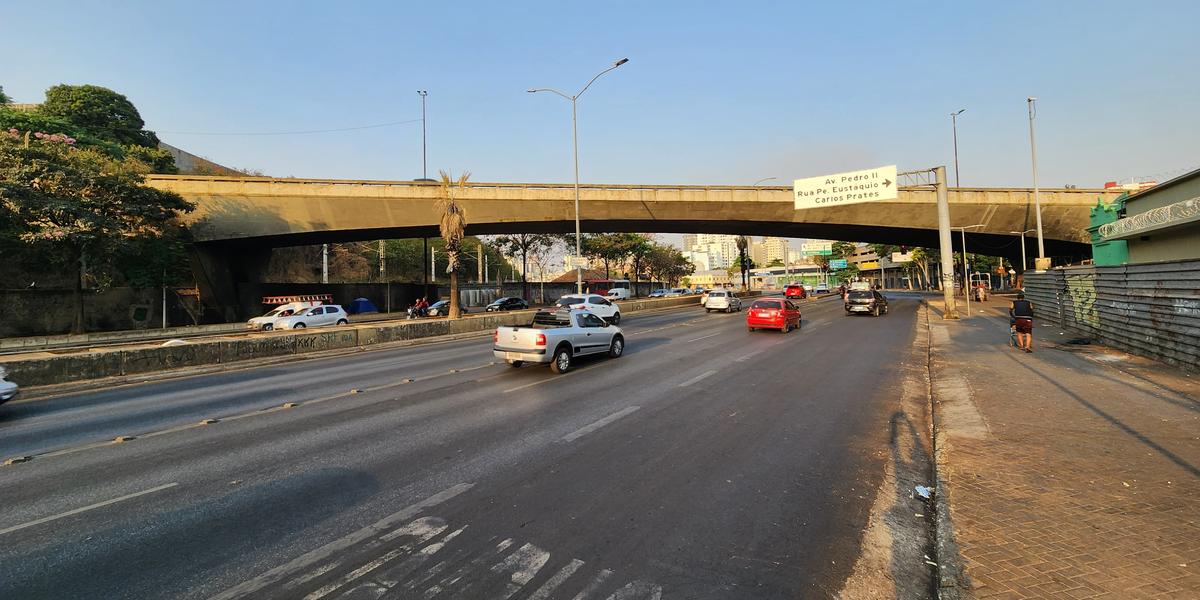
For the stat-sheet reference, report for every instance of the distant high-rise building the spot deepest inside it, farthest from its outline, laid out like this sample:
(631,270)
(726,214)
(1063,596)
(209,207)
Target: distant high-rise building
(774,248)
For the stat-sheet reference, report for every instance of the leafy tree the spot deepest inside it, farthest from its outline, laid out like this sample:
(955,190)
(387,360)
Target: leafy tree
(525,244)
(744,262)
(842,249)
(4,99)
(639,249)
(78,206)
(667,263)
(99,110)
(775,263)
(451,223)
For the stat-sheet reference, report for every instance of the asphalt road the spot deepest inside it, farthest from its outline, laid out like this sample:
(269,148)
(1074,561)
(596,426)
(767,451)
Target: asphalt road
(708,462)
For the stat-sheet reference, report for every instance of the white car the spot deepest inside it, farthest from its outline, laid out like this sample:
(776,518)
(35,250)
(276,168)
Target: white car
(677,292)
(8,389)
(267,321)
(822,288)
(808,289)
(318,316)
(722,300)
(593,303)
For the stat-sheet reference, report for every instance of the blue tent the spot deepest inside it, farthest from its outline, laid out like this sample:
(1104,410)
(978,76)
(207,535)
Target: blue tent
(361,305)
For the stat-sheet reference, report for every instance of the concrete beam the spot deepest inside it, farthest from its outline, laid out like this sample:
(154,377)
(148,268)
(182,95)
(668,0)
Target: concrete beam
(284,212)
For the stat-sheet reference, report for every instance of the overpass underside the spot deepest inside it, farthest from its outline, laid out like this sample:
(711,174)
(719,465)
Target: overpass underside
(238,220)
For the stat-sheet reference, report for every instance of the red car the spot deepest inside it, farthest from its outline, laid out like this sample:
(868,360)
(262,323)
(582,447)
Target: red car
(795,290)
(773,313)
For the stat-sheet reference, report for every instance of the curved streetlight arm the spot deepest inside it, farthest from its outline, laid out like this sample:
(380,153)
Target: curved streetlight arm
(551,90)
(589,84)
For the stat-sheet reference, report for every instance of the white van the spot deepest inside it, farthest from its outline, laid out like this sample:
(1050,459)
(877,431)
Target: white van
(618,289)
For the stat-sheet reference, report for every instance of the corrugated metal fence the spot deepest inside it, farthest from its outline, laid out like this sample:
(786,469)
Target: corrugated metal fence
(1150,309)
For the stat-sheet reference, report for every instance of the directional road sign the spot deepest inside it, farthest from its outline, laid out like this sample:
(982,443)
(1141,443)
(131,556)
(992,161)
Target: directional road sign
(837,263)
(846,188)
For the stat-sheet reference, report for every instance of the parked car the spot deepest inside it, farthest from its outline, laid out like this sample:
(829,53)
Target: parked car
(699,290)
(507,303)
(722,300)
(557,338)
(773,313)
(267,321)
(597,305)
(659,293)
(325,315)
(795,290)
(866,302)
(441,308)
(822,288)
(808,288)
(8,389)
(677,292)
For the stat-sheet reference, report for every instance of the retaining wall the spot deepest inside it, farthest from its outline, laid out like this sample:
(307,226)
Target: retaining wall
(47,368)
(1151,309)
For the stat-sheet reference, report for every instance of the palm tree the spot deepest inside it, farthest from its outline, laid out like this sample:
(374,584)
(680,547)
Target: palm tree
(451,225)
(743,242)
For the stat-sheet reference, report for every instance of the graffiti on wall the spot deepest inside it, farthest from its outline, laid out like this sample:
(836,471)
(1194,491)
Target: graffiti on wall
(1081,299)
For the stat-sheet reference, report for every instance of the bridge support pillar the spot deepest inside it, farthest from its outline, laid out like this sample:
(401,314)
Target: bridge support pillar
(218,269)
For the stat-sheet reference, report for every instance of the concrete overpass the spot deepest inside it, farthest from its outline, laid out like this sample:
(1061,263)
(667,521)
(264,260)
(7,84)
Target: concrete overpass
(238,220)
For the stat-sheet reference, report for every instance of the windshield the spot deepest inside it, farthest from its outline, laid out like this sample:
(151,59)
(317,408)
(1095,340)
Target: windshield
(857,295)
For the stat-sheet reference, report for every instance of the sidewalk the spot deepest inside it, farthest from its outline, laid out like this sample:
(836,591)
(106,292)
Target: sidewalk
(1072,472)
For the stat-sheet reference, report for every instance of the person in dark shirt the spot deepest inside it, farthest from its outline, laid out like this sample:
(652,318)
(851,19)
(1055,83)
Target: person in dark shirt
(1021,312)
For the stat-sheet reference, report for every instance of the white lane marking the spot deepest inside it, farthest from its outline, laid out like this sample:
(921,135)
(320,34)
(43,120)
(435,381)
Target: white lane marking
(87,508)
(539,382)
(704,337)
(314,556)
(698,378)
(582,431)
(594,585)
(458,575)
(747,357)
(524,564)
(552,584)
(638,589)
(423,528)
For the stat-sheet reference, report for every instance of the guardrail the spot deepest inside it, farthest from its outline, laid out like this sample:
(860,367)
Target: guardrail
(100,363)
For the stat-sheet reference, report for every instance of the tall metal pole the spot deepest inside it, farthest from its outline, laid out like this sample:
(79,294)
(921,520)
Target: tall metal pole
(324,263)
(578,243)
(944,240)
(575,142)
(1037,201)
(954,126)
(479,263)
(966,271)
(424,163)
(1024,262)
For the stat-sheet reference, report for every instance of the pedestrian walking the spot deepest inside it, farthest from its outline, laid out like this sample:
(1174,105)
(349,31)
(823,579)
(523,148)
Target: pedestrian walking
(1021,312)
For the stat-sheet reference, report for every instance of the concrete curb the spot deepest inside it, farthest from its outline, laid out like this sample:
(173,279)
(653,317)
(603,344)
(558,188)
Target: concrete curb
(952,581)
(36,393)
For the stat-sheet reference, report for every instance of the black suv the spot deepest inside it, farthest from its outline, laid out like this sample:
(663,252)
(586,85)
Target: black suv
(866,302)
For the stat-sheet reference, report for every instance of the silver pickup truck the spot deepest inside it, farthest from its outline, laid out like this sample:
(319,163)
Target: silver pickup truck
(558,337)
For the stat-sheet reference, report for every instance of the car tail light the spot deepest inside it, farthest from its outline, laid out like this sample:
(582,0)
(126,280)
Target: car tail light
(540,340)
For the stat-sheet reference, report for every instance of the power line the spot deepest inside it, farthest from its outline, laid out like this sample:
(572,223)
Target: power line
(377,125)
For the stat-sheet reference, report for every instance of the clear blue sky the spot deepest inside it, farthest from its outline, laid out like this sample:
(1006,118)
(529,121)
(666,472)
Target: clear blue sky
(714,93)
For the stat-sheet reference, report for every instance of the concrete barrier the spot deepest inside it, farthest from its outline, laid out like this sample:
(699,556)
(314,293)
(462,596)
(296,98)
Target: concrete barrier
(46,368)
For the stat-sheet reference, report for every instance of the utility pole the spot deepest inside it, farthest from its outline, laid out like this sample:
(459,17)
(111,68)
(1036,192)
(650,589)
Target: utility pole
(424,162)
(946,243)
(324,263)
(479,263)
(1037,200)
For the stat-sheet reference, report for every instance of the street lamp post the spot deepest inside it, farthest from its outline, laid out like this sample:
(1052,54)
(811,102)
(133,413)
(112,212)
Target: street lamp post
(954,126)
(575,143)
(424,162)
(1024,263)
(1037,201)
(764,179)
(966,271)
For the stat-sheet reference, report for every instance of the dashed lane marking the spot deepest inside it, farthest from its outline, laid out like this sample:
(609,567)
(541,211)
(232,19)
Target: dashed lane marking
(87,508)
(328,550)
(704,337)
(698,378)
(582,431)
(538,382)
